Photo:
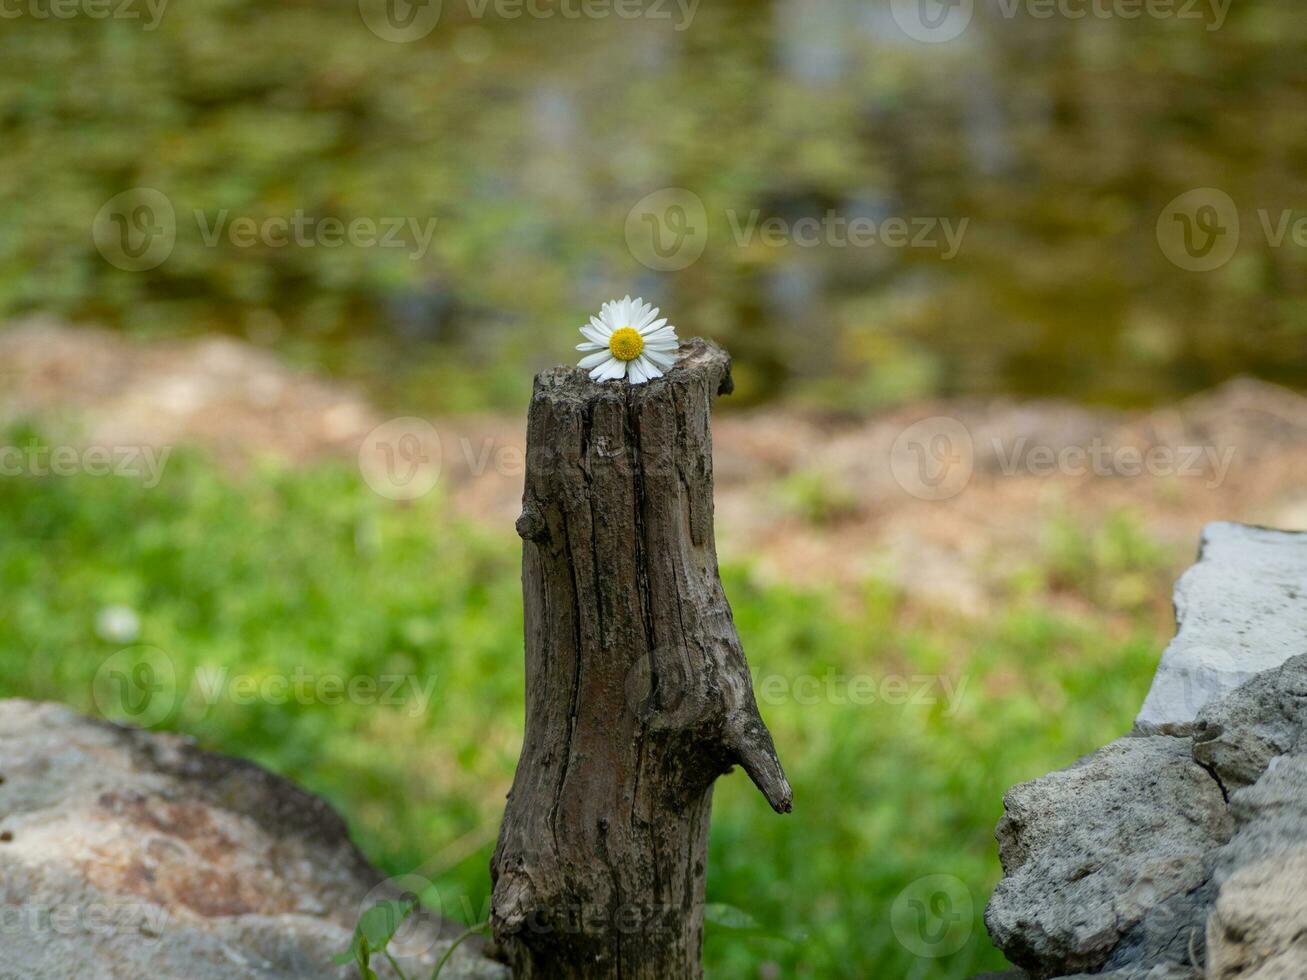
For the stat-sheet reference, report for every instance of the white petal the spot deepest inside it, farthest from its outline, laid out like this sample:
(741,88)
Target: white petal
(610,370)
(660,335)
(664,359)
(636,373)
(589,346)
(594,360)
(602,328)
(649,325)
(651,370)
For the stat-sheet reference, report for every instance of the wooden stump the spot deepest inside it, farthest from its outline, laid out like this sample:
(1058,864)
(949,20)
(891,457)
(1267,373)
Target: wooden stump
(638,695)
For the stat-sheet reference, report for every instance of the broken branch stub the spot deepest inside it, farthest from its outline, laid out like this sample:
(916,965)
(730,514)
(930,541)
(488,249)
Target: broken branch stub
(638,695)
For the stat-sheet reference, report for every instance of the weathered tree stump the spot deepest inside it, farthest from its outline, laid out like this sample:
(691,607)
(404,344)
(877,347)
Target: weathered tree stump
(638,695)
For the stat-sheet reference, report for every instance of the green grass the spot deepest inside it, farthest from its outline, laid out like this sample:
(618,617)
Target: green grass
(277,570)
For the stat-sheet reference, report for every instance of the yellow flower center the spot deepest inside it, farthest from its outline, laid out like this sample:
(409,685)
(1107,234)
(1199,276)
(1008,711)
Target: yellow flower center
(626,344)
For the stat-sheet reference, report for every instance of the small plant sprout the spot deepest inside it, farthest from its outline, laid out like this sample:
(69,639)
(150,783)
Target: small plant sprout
(377,927)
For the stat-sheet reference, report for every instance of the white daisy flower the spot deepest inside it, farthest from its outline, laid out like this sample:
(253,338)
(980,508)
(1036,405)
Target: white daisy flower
(629,341)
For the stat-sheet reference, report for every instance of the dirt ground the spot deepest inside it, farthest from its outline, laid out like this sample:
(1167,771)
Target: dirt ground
(946,499)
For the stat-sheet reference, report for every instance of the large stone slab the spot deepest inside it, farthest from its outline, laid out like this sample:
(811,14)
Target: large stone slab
(1241,610)
(129,854)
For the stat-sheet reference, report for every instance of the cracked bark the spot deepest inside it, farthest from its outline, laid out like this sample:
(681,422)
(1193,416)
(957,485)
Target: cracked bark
(638,695)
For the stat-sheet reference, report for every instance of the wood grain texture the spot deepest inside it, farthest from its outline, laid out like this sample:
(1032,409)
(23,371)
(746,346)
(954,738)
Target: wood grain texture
(638,695)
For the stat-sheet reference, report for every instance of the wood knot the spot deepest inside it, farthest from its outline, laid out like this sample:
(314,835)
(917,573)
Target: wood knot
(511,904)
(531,526)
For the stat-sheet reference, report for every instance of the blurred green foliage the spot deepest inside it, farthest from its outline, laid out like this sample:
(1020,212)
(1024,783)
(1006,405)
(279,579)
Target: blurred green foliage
(529,140)
(280,571)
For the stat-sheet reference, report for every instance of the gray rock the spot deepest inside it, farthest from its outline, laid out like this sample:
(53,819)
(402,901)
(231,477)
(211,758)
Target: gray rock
(1258,927)
(1241,610)
(1129,864)
(126,854)
(1089,851)
(1163,971)
(1238,736)
(1168,938)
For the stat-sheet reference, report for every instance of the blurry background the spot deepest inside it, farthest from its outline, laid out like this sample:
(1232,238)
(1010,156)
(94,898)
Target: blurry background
(1126,194)
(529,139)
